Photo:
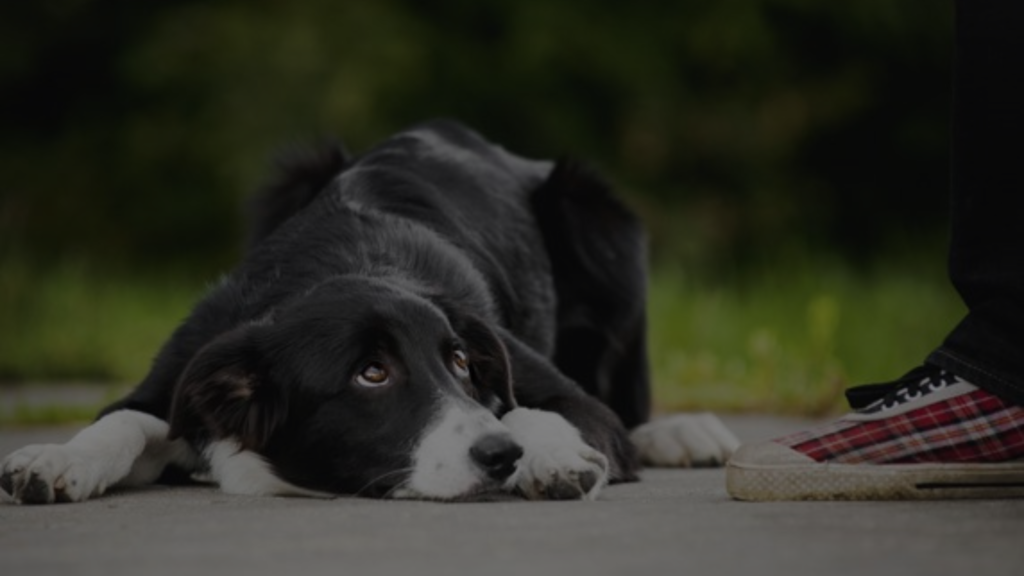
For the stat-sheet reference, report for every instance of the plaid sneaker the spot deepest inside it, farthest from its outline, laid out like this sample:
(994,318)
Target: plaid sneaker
(928,435)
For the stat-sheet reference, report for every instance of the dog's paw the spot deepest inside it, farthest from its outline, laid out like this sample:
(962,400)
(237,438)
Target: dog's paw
(47,473)
(556,464)
(685,440)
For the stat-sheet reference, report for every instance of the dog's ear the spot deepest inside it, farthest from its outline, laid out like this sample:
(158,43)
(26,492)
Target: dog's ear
(226,392)
(488,360)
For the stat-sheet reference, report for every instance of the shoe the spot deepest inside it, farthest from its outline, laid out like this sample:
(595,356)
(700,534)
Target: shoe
(929,435)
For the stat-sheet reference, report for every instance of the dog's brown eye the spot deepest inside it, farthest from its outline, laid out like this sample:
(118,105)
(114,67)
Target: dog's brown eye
(460,362)
(373,375)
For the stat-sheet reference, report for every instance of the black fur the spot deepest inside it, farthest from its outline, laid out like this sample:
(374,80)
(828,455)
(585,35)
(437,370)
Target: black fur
(304,173)
(433,242)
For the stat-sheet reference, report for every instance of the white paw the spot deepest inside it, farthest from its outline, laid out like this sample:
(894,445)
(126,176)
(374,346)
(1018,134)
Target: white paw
(685,440)
(46,473)
(556,464)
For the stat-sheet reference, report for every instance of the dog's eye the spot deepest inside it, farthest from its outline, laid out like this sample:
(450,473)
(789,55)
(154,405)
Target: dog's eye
(461,363)
(373,375)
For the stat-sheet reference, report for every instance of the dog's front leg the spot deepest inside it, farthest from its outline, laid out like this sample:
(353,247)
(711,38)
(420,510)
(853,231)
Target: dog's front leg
(572,443)
(123,448)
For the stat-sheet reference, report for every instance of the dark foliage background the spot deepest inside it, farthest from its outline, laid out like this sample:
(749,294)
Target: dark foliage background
(132,131)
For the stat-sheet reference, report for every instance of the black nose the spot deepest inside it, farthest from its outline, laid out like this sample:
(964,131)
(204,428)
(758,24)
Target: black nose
(497,455)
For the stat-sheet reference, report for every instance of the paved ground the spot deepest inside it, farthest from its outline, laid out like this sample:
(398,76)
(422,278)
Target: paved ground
(674,522)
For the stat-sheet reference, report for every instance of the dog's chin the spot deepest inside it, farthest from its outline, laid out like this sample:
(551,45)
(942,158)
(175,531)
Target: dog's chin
(486,491)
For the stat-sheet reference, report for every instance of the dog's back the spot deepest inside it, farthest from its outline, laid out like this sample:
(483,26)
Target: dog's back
(445,177)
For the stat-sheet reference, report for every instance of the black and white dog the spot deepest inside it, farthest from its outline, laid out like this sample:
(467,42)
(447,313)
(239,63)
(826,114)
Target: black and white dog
(435,319)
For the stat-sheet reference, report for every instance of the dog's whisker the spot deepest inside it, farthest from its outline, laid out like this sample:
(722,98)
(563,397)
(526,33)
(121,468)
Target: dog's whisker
(369,484)
(393,489)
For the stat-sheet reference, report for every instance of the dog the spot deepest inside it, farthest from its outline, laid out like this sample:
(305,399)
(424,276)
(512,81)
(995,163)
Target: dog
(436,319)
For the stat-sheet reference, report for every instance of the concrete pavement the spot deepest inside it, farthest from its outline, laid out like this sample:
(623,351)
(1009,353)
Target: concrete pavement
(673,522)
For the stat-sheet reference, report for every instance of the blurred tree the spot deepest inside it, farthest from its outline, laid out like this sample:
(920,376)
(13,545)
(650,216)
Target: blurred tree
(134,130)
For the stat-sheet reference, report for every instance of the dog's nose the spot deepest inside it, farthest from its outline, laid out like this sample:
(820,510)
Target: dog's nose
(497,455)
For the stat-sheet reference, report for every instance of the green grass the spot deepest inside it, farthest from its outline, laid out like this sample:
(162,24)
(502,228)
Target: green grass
(791,339)
(47,415)
(71,322)
(784,340)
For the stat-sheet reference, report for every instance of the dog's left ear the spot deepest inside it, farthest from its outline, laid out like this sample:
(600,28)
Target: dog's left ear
(488,360)
(226,392)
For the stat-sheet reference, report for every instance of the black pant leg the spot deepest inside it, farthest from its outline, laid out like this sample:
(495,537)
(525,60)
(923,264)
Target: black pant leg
(987,237)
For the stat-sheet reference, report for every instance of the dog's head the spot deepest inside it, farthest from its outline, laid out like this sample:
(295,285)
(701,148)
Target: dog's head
(359,387)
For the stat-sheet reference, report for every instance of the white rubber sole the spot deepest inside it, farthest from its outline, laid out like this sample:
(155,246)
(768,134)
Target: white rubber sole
(763,481)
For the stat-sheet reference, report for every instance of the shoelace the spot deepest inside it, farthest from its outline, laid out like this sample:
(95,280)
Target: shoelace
(874,398)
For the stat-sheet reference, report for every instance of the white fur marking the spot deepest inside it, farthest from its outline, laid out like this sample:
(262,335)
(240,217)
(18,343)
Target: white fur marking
(240,471)
(555,457)
(685,440)
(442,467)
(123,448)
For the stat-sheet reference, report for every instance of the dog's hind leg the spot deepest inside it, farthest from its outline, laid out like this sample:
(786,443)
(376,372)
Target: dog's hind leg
(597,249)
(598,258)
(122,448)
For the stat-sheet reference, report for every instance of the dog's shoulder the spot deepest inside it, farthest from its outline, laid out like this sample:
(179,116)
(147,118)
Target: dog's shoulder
(303,172)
